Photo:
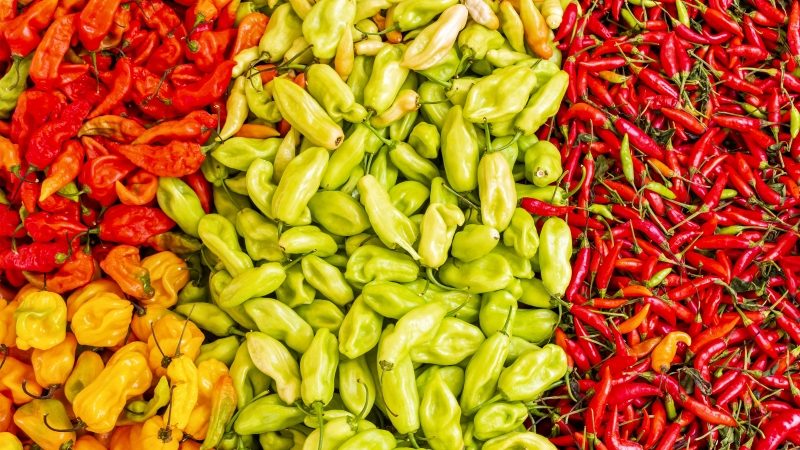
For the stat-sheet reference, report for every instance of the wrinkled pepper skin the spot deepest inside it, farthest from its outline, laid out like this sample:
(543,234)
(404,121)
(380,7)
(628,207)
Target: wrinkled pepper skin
(30,418)
(533,373)
(499,418)
(40,320)
(440,415)
(299,183)
(460,152)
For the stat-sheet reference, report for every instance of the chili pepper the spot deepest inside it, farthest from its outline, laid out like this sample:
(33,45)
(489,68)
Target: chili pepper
(54,45)
(175,159)
(45,143)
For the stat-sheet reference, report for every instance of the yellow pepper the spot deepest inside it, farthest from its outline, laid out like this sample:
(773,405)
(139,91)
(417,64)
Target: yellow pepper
(30,418)
(125,376)
(168,275)
(6,413)
(8,334)
(172,337)
(144,319)
(88,442)
(208,373)
(102,321)
(25,290)
(9,442)
(182,374)
(86,293)
(12,375)
(157,435)
(40,320)
(87,368)
(52,367)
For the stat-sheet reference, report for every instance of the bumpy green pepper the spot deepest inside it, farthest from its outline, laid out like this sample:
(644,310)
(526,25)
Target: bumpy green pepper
(223,349)
(497,191)
(460,151)
(386,79)
(295,290)
(327,87)
(238,152)
(237,184)
(214,172)
(208,317)
(247,379)
(373,439)
(359,77)
(484,368)
(505,56)
(300,109)
(521,234)
(266,414)
(542,163)
(409,196)
(280,322)
(349,155)
(412,165)
(251,283)
(390,299)
(338,213)
(555,251)
(455,341)
(392,227)
(485,274)
(435,106)
(307,239)
(453,377)
(325,23)
(474,241)
(475,40)
(322,314)
(499,418)
(543,104)
(459,88)
(465,305)
(445,69)
(438,227)
(412,14)
(440,415)
(259,99)
(275,360)
(416,327)
(219,235)
(383,169)
(555,195)
(371,262)
(289,439)
(360,329)
(13,84)
(327,279)
(300,181)
(533,373)
(180,203)
(398,390)
(534,325)
(318,370)
(401,128)
(356,385)
(260,235)
(283,28)
(259,185)
(486,103)
(425,139)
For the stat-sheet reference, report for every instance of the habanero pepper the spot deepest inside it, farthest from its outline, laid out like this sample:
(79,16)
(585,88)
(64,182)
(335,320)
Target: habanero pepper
(175,159)
(64,169)
(208,48)
(55,44)
(100,175)
(139,189)
(123,265)
(22,32)
(121,78)
(43,226)
(96,21)
(133,225)
(206,91)
(45,143)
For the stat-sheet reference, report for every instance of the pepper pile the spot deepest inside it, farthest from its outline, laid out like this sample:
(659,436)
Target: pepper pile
(682,118)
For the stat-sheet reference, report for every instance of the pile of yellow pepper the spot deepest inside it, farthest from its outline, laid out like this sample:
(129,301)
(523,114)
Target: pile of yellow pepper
(95,355)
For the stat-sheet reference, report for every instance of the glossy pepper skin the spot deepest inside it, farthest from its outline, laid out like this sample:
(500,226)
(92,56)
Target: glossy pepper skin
(499,418)
(440,414)
(300,109)
(12,84)
(275,360)
(180,203)
(484,369)
(40,320)
(455,341)
(398,392)
(532,373)
(356,385)
(52,367)
(360,330)
(555,251)
(87,367)
(325,24)
(497,191)
(318,370)
(460,152)
(386,79)
(281,322)
(392,227)
(30,418)
(299,183)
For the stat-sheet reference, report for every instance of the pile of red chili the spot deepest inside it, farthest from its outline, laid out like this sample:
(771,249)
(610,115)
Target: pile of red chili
(123,93)
(684,319)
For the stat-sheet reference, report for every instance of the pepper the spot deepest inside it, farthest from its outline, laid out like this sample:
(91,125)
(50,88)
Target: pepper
(207,48)
(9,441)
(484,274)
(325,24)
(521,234)
(141,410)
(413,166)
(533,373)
(223,406)
(157,434)
(484,369)
(318,366)
(440,414)
(300,109)
(96,21)
(327,87)
(180,203)
(432,44)
(438,227)
(371,262)
(30,418)
(219,235)
(45,143)
(386,80)
(132,225)
(533,325)
(543,104)
(248,381)
(205,91)
(208,317)
(460,152)
(87,367)
(392,227)
(415,327)
(497,191)
(52,367)
(40,320)
(306,239)
(555,251)
(175,159)
(183,377)
(413,14)
(356,385)
(251,283)
(281,322)
(481,107)
(499,418)
(240,152)
(321,314)
(275,360)
(455,340)
(260,236)
(327,279)
(168,275)
(283,28)
(299,183)
(123,265)
(175,337)
(542,164)
(338,213)
(409,196)
(518,439)
(397,389)
(477,240)
(48,56)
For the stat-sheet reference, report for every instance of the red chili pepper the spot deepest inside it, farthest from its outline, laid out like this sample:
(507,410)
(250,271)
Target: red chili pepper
(22,32)
(540,208)
(208,48)
(36,257)
(51,51)
(202,188)
(252,27)
(45,143)
(793,30)
(122,77)
(100,175)
(175,159)
(96,21)
(597,405)
(44,226)
(568,20)
(133,225)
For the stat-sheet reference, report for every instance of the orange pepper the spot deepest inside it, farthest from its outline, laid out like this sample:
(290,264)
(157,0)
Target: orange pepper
(251,130)
(644,348)
(249,32)
(537,33)
(141,189)
(664,351)
(88,442)
(143,320)
(52,367)
(79,269)
(9,154)
(121,437)
(8,335)
(172,337)
(634,321)
(6,412)
(157,435)
(124,266)
(12,375)
(168,275)
(64,169)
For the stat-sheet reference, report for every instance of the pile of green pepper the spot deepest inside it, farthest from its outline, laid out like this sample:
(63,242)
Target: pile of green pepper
(372,279)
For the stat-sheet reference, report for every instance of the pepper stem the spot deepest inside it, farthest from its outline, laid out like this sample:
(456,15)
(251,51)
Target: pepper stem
(318,410)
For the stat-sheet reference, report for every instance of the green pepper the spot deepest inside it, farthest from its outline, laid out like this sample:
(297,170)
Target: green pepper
(398,389)
(300,181)
(445,69)
(497,191)
(192,293)
(260,236)
(475,40)
(278,440)
(356,385)
(460,151)
(327,87)
(409,196)
(325,23)
(434,42)
(266,414)
(534,294)
(460,87)
(223,349)
(259,99)
(552,194)
(283,28)
(453,377)
(13,84)
(474,241)
(280,322)
(219,236)
(499,418)
(349,155)
(412,14)
(275,360)
(228,203)
(455,341)
(259,185)
(390,299)
(307,239)
(372,439)
(542,164)
(247,379)
(252,283)
(521,234)
(533,373)
(534,325)
(413,166)
(392,227)
(141,410)
(295,290)
(322,314)
(238,152)
(383,169)
(359,77)
(440,414)
(485,274)
(318,366)
(555,251)
(237,184)
(519,347)
(435,106)
(520,267)
(484,368)
(217,283)
(313,421)
(336,432)
(180,203)
(465,305)
(386,79)
(300,109)
(371,262)
(543,104)
(416,327)
(511,23)
(327,279)
(208,317)
(360,329)
(485,102)
(437,230)
(505,56)
(338,213)
(425,139)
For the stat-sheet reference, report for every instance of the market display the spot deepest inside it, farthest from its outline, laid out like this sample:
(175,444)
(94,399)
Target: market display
(428,224)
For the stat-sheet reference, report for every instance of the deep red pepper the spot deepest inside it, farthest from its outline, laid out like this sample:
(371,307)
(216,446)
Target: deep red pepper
(45,143)
(133,225)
